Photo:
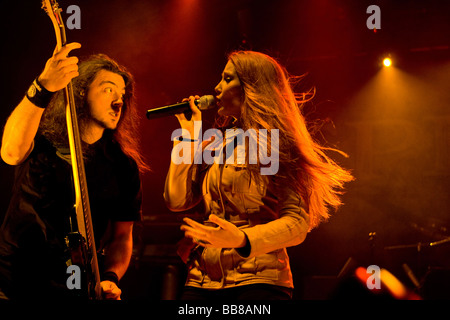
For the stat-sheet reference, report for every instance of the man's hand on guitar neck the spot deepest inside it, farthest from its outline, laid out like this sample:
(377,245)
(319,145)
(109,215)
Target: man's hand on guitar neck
(60,69)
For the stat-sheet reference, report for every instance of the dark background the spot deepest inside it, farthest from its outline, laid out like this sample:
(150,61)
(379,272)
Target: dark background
(392,122)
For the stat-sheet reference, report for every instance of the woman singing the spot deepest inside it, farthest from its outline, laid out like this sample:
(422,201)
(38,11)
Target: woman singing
(251,217)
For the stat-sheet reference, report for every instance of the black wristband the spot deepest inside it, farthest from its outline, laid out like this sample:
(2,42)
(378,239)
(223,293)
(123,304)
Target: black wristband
(38,95)
(110,276)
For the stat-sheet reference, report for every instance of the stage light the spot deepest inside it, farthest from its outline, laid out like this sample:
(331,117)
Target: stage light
(387,62)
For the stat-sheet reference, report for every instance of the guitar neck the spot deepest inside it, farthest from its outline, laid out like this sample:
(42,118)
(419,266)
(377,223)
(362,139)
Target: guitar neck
(82,206)
(81,190)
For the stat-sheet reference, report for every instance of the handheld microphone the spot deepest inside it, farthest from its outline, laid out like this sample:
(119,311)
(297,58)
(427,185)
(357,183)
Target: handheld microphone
(204,103)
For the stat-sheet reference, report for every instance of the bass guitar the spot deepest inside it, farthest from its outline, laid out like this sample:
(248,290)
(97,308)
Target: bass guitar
(81,241)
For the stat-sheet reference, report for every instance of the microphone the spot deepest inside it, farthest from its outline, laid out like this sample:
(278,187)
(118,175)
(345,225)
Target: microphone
(204,103)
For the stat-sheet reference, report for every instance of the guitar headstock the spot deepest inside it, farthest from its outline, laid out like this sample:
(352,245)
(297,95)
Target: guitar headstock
(51,7)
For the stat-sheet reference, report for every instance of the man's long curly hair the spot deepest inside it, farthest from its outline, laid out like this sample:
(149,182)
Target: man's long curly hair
(269,102)
(53,124)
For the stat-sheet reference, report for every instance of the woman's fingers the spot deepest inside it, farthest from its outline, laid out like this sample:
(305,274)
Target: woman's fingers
(224,224)
(225,235)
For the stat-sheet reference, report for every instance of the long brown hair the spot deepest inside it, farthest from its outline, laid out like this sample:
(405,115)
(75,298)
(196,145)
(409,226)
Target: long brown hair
(53,124)
(270,103)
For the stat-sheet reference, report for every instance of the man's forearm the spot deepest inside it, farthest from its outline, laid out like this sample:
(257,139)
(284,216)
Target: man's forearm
(118,255)
(19,132)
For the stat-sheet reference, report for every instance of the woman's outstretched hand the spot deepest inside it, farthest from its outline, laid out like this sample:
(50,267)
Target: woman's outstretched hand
(224,235)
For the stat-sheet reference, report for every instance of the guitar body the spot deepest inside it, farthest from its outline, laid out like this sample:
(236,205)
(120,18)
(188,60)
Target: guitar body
(79,256)
(80,242)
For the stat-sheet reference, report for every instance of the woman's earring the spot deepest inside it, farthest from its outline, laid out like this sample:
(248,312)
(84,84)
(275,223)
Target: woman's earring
(82,93)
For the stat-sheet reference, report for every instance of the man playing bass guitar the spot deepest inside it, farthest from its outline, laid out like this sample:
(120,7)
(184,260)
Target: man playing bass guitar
(33,251)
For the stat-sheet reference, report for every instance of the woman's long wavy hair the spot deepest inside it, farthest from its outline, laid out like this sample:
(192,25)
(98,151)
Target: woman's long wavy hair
(269,102)
(53,124)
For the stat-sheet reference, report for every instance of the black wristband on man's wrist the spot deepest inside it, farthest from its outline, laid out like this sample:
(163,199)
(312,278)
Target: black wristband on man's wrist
(38,95)
(110,276)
